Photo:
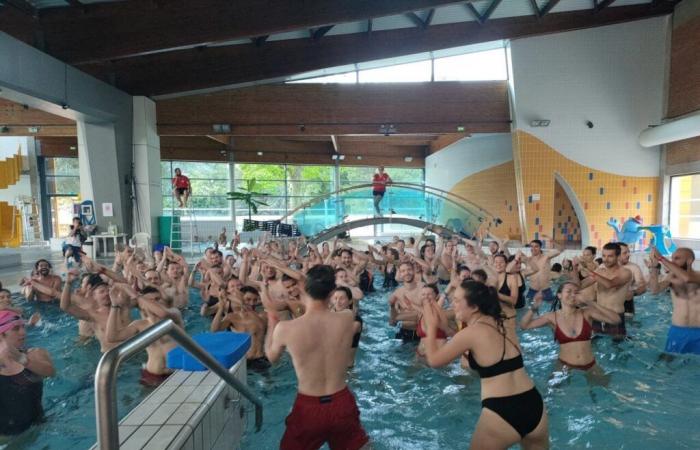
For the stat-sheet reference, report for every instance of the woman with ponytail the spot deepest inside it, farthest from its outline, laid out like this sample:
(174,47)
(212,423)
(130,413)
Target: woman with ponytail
(512,410)
(571,324)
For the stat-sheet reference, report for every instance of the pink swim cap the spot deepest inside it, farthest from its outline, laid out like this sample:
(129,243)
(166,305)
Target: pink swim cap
(9,319)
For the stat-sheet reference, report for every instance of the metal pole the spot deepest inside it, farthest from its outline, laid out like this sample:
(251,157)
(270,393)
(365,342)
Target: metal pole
(105,378)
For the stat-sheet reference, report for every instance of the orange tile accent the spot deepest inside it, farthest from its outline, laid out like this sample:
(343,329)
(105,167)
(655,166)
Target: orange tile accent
(494,190)
(537,163)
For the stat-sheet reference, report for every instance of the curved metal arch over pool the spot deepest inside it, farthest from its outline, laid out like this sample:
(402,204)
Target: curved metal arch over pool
(449,196)
(332,232)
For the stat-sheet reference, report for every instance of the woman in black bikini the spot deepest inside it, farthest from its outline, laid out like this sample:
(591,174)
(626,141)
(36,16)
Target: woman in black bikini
(572,325)
(512,410)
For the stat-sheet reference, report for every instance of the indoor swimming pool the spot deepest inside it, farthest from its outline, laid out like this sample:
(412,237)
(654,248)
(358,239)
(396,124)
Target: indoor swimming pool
(69,397)
(647,403)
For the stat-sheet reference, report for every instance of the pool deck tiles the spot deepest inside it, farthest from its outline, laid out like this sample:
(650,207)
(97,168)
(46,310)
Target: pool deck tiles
(190,410)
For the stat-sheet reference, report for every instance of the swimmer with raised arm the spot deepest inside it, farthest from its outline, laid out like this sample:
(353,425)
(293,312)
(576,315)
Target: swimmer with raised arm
(319,343)
(512,410)
(684,334)
(572,325)
(612,284)
(539,263)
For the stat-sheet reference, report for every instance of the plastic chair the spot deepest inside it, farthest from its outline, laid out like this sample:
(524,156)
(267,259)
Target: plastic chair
(142,241)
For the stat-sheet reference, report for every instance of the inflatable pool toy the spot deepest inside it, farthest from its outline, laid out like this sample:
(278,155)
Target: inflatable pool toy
(630,232)
(661,240)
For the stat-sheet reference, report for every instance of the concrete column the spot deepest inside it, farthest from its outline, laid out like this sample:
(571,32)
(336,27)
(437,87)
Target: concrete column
(99,176)
(148,201)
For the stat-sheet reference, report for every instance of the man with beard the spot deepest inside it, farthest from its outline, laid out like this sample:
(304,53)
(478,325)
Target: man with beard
(684,334)
(638,286)
(41,275)
(406,299)
(612,283)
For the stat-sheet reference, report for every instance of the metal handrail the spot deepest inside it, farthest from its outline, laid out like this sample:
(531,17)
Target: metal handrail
(106,374)
(445,195)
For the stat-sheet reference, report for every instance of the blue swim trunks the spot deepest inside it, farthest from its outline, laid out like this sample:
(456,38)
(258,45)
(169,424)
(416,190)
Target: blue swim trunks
(547,294)
(683,340)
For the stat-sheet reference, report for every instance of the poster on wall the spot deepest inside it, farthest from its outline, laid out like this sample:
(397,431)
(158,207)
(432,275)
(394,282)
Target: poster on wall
(107,210)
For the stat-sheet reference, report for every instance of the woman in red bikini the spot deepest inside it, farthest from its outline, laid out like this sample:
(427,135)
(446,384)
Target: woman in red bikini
(571,325)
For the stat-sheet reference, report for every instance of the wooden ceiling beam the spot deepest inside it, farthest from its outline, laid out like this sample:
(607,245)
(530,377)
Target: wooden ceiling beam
(337,109)
(45,130)
(121,29)
(327,129)
(225,65)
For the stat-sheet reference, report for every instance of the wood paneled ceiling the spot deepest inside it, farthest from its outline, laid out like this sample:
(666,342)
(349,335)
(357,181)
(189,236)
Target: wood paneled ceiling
(171,47)
(153,47)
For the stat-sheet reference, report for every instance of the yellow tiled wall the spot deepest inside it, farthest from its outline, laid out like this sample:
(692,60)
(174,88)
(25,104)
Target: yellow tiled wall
(602,195)
(566,225)
(493,189)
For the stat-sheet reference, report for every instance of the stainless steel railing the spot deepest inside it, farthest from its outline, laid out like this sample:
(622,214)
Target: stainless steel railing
(106,376)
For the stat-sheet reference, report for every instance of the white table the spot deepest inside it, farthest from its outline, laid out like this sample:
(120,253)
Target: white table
(96,238)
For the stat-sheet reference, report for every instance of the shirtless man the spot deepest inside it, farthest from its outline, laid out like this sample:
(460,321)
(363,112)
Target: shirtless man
(41,275)
(319,343)
(639,284)
(587,261)
(406,298)
(684,334)
(174,278)
(539,263)
(242,318)
(155,370)
(612,283)
(95,311)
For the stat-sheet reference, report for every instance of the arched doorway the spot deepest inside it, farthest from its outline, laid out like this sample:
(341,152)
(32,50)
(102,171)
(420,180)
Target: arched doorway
(569,224)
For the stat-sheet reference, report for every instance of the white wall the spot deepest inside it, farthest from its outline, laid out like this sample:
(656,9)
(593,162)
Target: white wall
(30,77)
(613,76)
(467,156)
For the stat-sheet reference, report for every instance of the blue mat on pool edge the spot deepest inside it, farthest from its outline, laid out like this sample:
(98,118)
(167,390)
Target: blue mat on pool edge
(226,347)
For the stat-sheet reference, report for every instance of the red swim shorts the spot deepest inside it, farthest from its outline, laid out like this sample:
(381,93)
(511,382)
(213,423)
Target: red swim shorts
(334,419)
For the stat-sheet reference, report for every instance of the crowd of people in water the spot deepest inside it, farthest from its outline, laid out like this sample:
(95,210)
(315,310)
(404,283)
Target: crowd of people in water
(455,299)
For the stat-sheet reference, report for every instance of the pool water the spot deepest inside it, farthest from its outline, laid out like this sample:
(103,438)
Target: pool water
(647,402)
(69,397)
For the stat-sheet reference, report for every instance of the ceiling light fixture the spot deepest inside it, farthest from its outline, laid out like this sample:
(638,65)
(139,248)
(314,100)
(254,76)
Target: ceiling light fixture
(260,153)
(540,123)
(408,158)
(387,129)
(359,158)
(33,129)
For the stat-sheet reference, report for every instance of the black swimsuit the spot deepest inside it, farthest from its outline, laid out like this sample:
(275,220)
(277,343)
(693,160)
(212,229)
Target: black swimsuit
(356,336)
(520,302)
(390,278)
(521,411)
(20,401)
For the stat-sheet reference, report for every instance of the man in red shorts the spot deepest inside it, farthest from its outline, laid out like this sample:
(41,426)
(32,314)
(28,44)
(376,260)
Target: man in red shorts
(319,342)
(181,188)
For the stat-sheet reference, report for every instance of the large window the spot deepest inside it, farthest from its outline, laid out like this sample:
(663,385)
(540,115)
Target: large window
(62,187)
(479,66)
(209,182)
(288,187)
(685,206)
(473,66)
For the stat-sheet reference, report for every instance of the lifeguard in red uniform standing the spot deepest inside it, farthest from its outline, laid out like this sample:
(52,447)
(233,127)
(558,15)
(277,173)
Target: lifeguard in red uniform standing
(379,182)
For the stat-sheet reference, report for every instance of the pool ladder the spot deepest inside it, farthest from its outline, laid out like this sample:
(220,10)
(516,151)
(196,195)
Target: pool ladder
(106,375)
